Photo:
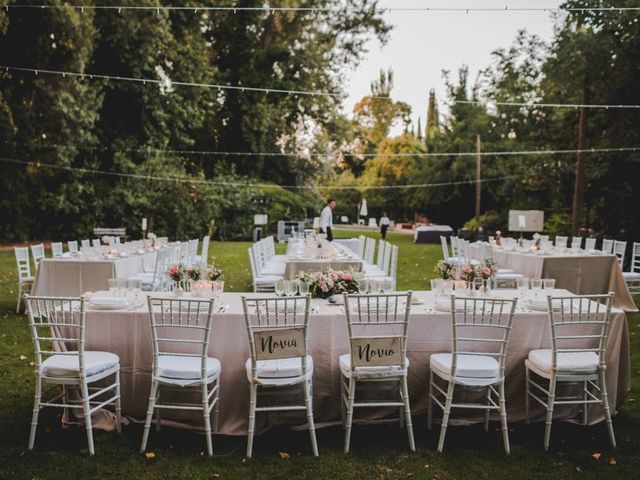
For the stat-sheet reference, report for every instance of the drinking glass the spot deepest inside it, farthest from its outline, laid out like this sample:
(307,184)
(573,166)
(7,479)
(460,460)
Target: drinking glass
(536,286)
(113,286)
(447,287)
(303,288)
(477,286)
(363,286)
(280,287)
(549,283)
(522,284)
(374,285)
(437,285)
(291,287)
(388,285)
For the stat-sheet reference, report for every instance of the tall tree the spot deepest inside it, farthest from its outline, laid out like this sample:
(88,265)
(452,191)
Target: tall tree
(433,121)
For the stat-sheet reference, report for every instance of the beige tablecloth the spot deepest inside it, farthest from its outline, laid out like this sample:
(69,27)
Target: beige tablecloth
(72,277)
(581,274)
(127,333)
(295,266)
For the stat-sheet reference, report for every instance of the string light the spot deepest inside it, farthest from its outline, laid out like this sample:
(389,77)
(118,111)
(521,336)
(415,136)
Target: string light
(269,9)
(283,91)
(544,105)
(247,184)
(340,154)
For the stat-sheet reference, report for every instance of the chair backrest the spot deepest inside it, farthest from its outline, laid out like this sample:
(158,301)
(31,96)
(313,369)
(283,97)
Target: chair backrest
(72,246)
(56,249)
(181,327)
(590,244)
(393,267)
(252,262)
(635,258)
(487,251)
(386,260)
(37,251)
(445,247)
(370,245)
(277,328)
(204,253)
(481,326)
(361,243)
(160,268)
(579,324)
(607,245)
(382,247)
(95,242)
(22,261)
(57,327)
(116,240)
(85,243)
(544,238)
(193,249)
(378,326)
(454,246)
(619,249)
(576,242)
(184,252)
(561,242)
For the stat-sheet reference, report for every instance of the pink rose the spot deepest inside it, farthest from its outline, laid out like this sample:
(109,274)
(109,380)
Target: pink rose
(486,271)
(347,277)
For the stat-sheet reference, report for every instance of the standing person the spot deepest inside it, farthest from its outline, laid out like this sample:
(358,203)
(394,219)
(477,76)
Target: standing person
(326,219)
(384,225)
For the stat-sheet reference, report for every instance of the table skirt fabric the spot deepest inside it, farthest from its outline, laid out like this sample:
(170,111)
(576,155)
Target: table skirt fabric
(127,333)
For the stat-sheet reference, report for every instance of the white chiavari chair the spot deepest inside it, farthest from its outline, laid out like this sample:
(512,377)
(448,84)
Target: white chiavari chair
(378,326)
(85,243)
(58,332)
(271,247)
(445,249)
(576,243)
(590,244)
(561,242)
(157,279)
(370,245)
(382,251)
(579,330)
(96,242)
(619,250)
(72,246)
(481,328)
(37,251)
(284,323)
(203,258)
(181,332)
(193,251)
(393,265)
(261,283)
(25,279)
(607,246)
(632,277)
(361,244)
(56,249)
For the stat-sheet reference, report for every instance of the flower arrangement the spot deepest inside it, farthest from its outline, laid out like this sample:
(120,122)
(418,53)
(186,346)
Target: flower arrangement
(176,272)
(212,273)
(487,270)
(194,272)
(329,282)
(446,270)
(468,273)
(180,273)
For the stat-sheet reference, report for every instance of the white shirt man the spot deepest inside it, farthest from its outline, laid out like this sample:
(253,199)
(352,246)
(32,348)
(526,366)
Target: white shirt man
(326,219)
(384,225)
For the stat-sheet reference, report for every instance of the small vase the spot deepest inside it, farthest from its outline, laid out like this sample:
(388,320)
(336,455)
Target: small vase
(485,289)
(178,291)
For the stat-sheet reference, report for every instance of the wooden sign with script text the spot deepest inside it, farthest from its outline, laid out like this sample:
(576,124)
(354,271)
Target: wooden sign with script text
(376,351)
(275,344)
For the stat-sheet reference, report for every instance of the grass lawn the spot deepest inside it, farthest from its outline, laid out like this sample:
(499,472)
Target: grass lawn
(377,451)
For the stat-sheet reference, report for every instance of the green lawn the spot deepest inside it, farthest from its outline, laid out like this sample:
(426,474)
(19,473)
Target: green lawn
(377,452)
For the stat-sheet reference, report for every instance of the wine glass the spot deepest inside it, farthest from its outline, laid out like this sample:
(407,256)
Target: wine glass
(536,286)
(291,287)
(549,283)
(303,288)
(522,284)
(280,287)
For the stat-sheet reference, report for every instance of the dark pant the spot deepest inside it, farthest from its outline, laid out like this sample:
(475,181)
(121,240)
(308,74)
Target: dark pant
(383,231)
(328,232)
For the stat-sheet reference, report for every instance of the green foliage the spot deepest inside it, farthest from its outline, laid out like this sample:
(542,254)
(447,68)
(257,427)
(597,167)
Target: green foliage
(489,221)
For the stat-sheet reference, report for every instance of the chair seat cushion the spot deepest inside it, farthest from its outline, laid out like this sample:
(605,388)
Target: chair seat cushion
(468,366)
(280,368)
(508,276)
(631,275)
(267,279)
(69,365)
(579,362)
(504,271)
(186,368)
(383,371)
(27,279)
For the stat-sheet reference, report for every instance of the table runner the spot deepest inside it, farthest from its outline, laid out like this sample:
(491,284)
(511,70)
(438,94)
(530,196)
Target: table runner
(127,333)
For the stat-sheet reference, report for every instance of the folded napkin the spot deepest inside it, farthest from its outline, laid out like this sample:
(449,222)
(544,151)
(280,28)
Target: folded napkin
(108,301)
(540,303)
(445,304)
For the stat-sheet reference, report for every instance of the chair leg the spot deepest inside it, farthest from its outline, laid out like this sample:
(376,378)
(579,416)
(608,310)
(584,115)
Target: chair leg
(445,416)
(343,402)
(36,412)
(407,413)
(216,407)
(550,403)
(585,405)
(430,402)
(527,389)
(150,408)
(503,418)
(118,404)
(19,296)
(308,401)
(86,408)
(350,401)
(158,411)
(207,419)
(487,410)
(605,404)
(252,419)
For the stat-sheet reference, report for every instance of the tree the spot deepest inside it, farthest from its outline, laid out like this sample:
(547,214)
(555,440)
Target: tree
(433,121)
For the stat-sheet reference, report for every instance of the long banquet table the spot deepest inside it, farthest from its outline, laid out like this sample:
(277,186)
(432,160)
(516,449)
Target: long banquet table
(582,273)
(341,258)
(72,276)
(127,333)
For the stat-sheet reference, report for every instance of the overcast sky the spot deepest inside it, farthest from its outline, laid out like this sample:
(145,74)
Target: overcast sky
(421,45)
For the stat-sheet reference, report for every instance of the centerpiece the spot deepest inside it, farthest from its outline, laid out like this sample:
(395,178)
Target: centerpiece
(329,282)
